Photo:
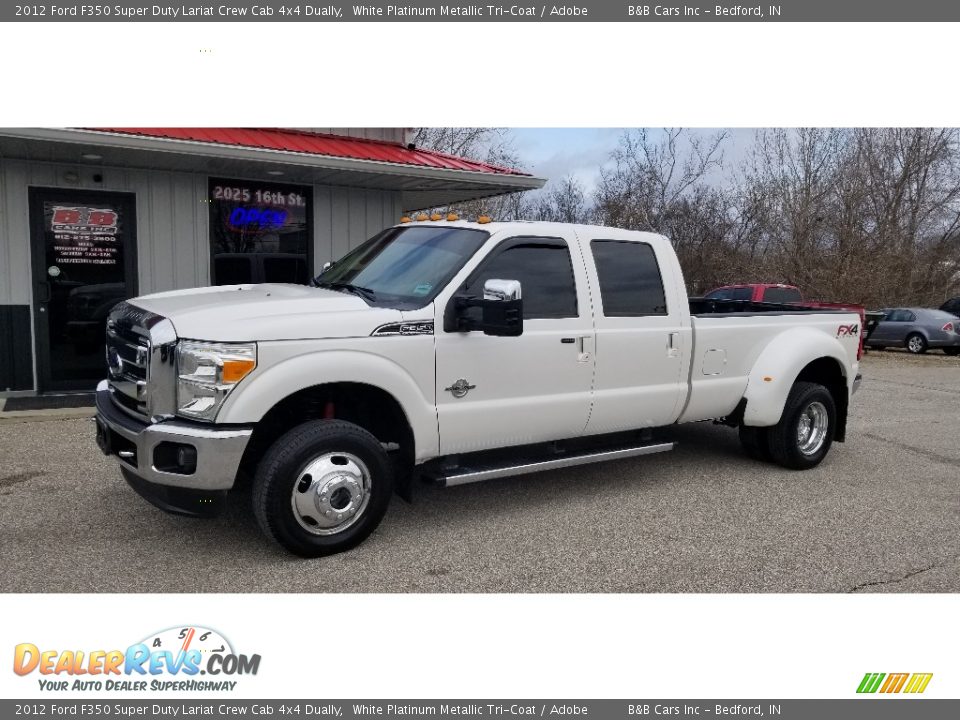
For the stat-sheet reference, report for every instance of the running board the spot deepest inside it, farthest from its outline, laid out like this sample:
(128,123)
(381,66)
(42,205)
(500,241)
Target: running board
(464,475)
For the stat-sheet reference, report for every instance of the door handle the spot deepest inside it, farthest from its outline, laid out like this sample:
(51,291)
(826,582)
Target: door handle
(568,341)
(584,348)
(673,345)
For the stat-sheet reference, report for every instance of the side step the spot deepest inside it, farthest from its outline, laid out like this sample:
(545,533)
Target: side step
(463,475)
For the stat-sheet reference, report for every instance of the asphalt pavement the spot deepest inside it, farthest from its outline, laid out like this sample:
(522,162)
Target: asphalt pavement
(880,514)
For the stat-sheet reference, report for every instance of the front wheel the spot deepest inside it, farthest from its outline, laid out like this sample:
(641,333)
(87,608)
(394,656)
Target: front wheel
(322,488)
(805,432)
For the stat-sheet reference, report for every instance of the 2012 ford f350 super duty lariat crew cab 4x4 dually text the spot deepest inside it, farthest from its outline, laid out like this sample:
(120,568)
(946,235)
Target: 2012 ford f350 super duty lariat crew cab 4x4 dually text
(457,352)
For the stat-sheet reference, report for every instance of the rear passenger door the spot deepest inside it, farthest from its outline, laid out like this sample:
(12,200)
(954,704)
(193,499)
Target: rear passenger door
(897,325)
(640,340)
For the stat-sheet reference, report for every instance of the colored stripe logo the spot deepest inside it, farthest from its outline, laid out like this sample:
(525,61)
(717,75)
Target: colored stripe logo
(913,683)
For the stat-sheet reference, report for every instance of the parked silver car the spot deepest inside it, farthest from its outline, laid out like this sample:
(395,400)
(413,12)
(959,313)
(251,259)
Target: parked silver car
(917,329)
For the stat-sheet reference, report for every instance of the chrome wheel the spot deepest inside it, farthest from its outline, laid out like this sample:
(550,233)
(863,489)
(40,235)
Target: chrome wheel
(331,493)
(812,428)
(915,344)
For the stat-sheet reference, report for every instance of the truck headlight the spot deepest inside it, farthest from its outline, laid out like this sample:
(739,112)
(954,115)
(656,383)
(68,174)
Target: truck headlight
(207,372)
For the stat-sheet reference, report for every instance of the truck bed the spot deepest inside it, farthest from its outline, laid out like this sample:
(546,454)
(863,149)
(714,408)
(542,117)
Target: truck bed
(728,337)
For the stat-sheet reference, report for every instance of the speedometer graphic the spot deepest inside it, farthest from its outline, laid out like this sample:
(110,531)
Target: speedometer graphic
(189,637)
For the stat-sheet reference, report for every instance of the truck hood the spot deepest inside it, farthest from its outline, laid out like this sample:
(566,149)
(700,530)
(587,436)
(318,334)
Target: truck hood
(244,313)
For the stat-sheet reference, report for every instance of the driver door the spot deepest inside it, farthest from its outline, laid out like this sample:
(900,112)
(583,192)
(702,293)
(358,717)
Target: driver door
(504,391)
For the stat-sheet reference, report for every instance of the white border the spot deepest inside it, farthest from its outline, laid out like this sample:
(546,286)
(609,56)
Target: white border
(523,646)
(706,75)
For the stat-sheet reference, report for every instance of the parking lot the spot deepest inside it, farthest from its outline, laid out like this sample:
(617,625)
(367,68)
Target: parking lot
(881,514)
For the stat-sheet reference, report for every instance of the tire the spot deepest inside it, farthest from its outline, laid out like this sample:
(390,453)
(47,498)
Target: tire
(916,344)
(951,351)
(813,404)
(755,442)
(322,488)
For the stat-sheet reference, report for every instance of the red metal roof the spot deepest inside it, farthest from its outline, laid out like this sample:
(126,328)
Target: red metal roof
(310,143)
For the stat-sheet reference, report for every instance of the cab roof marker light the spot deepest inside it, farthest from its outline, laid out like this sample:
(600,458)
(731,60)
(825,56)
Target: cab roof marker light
(436,216)
(483,219)
(405,219)
(422,217)
(452,217)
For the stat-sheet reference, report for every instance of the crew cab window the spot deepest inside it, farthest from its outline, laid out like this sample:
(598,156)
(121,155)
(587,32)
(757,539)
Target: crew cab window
(630,281)
(545,272)
(782,295)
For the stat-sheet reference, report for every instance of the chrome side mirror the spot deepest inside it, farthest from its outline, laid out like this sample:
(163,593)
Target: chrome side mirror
(502,307)
(502,290)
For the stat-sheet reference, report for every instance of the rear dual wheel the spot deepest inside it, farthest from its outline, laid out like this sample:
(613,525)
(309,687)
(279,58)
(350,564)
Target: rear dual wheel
(804,434)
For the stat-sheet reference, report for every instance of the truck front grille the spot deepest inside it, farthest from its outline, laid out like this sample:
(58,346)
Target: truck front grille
(128,360)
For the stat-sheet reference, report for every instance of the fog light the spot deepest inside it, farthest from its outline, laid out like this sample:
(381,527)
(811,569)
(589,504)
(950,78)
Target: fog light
(187,458)
(176,458)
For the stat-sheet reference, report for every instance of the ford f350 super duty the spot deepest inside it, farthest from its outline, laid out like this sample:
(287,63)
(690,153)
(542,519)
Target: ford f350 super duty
(457,352)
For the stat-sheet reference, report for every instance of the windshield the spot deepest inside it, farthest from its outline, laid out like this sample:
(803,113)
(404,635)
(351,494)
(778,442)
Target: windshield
(404,267)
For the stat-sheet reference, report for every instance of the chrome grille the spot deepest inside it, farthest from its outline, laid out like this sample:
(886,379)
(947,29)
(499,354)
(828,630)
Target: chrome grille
(128,354)
(140,358)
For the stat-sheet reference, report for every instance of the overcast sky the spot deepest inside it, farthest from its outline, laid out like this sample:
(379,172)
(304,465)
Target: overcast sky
(553,153)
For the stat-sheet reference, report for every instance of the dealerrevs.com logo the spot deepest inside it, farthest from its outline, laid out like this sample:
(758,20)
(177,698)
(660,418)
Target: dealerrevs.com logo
(178,659)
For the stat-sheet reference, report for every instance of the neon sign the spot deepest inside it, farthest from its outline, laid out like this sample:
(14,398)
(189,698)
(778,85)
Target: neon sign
(264,218)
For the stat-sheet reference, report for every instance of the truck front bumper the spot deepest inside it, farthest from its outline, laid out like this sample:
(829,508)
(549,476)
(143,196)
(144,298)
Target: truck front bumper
(178,466)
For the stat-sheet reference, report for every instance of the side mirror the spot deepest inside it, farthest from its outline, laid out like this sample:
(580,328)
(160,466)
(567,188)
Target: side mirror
(326,266)
(501,310)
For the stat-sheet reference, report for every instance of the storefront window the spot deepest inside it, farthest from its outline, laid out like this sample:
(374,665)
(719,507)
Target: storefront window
(259,232)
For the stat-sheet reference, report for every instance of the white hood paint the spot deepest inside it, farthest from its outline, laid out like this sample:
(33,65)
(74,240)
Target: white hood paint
(240,313)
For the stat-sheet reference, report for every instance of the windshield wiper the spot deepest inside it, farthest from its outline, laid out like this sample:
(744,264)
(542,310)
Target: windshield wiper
(364,292)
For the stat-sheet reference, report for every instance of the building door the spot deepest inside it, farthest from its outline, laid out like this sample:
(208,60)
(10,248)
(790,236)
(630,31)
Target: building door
(84,262)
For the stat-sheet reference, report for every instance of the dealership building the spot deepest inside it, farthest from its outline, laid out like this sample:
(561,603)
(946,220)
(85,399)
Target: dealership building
(91,216)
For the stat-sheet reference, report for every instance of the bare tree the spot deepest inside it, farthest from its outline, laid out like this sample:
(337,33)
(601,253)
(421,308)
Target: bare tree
(565,201)
(663,185)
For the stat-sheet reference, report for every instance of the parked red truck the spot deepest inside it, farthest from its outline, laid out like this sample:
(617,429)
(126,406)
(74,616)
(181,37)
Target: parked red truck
(790,295)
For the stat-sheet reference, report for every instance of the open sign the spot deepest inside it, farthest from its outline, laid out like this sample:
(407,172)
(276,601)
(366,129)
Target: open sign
(263,218)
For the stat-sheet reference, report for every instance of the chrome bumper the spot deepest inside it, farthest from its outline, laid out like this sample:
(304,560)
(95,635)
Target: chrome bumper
(219,450)
(856,383)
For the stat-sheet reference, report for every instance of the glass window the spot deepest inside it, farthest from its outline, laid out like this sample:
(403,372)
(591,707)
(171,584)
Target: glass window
(736,293)
(630,282)
(232,269)
(406,266)
(545,272)
(782,295)
(259,220)
(901,316)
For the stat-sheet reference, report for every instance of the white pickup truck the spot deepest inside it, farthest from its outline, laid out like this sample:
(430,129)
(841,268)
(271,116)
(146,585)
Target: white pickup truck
(453,351)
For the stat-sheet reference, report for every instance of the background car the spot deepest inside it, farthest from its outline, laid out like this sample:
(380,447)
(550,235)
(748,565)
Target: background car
(916,329)
(952,306)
